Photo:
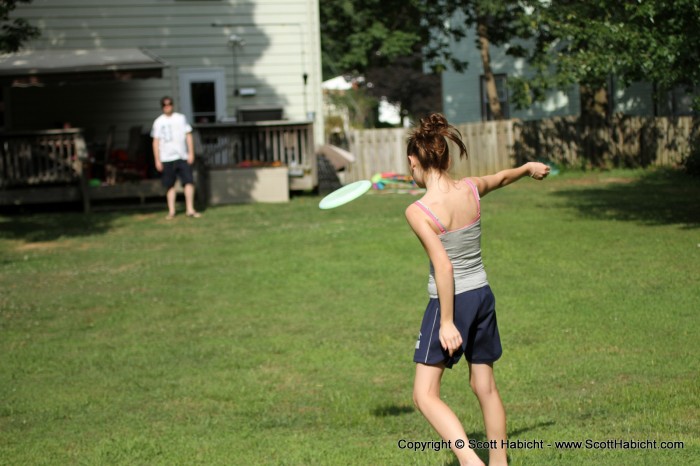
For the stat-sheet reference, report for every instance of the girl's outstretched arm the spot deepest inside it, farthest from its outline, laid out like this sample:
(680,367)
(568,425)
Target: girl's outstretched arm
(486,184)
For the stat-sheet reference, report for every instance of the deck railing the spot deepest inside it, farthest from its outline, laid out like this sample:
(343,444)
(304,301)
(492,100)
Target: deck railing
(236,145)
(41,157)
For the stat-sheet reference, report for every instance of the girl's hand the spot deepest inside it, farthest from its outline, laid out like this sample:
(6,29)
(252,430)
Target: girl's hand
(450,338)
(538,171)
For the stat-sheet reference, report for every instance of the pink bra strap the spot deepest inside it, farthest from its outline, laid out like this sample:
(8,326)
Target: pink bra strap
(476,195)
(431,215)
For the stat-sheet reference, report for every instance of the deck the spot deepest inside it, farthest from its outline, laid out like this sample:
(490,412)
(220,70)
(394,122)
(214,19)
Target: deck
(56,166)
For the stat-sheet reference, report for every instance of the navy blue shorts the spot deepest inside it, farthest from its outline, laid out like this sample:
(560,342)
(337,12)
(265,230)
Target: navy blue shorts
(475,318)
(176,169)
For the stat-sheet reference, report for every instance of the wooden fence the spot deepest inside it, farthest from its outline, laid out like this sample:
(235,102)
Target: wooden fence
(624,142)
(568,141)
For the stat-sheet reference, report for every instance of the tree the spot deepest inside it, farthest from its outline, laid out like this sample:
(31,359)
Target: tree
(496,22)
(360,34)
(404,37)
(384,40)
(360,106)
(564,42)
(14,32)
(588,41)
(406,82)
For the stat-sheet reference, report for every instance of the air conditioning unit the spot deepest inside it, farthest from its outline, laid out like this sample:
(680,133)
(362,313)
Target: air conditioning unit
(259,113)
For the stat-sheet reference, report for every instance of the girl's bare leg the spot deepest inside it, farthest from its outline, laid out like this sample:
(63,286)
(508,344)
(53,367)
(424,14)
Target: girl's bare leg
(483,384)
(426,396)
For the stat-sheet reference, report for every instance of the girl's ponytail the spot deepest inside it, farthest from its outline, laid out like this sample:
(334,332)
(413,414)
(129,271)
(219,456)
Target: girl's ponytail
(428,142)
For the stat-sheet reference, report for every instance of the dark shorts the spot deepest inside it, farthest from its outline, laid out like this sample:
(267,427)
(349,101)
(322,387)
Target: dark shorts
(475,318)
(176,169)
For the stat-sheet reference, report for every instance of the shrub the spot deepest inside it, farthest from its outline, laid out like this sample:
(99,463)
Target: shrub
(691,162)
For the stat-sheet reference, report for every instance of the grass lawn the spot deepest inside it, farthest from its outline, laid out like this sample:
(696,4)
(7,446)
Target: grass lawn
(283,334)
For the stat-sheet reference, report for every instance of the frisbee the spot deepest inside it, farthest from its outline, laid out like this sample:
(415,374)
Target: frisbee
(343,195)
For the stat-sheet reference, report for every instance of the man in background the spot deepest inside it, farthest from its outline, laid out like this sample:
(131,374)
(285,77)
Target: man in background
(173,150)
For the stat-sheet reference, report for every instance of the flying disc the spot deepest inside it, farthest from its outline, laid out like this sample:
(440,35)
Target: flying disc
(343,195)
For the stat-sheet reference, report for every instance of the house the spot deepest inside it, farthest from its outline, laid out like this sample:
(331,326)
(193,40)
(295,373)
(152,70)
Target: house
(465,100)
(249,67)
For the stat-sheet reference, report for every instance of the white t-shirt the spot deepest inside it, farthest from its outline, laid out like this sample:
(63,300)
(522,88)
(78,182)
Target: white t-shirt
(171,132)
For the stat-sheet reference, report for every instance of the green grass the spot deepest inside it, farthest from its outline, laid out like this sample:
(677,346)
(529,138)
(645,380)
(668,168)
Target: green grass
(282,334)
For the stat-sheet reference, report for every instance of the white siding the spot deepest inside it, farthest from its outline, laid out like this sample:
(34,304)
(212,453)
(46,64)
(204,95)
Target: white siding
(282,42)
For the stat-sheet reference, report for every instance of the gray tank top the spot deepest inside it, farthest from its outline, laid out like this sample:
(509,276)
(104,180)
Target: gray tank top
(463,247)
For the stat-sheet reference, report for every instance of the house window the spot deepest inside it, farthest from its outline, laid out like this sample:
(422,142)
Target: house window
(203,94)
(501,90)
(676,102)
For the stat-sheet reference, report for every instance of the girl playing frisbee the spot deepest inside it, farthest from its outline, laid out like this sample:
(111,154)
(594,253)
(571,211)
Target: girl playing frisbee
(460,318)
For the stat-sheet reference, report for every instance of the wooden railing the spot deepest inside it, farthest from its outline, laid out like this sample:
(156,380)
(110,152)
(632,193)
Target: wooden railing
(41,157)
(231,145)
(49,166)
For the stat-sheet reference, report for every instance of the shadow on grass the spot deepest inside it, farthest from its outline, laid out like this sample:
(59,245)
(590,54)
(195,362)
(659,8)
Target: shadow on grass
(392,410)
(52,226)
(659,197)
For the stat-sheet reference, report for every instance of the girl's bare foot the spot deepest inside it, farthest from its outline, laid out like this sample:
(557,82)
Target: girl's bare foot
(472,459)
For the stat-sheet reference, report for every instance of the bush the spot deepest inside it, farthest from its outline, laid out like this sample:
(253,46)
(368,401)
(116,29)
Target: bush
(691,162)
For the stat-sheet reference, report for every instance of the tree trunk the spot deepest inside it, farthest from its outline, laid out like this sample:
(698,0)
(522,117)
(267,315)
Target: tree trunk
(482,31)
(594,125)
(594,101)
